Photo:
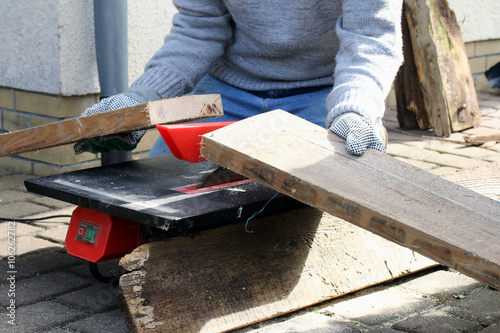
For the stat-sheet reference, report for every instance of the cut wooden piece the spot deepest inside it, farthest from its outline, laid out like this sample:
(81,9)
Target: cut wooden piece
(441,220)
(442,65)
(139,117)
(476,139)
(227,278)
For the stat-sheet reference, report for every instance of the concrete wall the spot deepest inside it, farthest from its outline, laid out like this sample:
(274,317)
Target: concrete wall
(48,46)
(479,19)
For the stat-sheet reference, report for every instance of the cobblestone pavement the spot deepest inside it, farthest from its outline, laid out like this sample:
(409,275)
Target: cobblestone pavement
(54,292)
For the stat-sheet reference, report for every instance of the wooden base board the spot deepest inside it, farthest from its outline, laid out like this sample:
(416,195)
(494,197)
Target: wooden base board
(227,278)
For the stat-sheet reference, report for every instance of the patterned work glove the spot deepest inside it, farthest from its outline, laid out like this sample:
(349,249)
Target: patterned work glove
(105,144)
(358,133)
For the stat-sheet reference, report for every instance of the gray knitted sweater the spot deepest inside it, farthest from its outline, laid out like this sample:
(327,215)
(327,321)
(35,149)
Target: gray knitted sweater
(283,44)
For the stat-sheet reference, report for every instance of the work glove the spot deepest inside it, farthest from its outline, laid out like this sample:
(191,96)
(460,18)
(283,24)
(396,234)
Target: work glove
(105,144)
(358,133)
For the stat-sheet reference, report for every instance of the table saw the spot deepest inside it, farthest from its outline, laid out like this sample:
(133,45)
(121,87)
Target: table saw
(124,205)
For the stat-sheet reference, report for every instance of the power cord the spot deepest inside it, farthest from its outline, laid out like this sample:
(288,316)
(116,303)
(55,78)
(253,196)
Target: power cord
(32,219)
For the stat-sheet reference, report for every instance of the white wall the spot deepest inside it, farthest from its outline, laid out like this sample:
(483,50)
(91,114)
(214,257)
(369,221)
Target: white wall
(149,21)
(478,19)
(29,45)
(48,46)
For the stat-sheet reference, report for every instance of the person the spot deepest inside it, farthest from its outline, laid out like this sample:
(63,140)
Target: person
(331,62)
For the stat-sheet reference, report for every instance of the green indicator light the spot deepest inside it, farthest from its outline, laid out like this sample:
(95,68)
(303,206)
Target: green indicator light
(90,234)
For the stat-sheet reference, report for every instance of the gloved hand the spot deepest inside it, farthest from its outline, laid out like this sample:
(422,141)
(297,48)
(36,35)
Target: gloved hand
(105,144)
(358,133)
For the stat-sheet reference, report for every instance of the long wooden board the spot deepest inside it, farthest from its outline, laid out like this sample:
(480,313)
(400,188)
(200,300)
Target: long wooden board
(226,278)
(411,207)
(139,117)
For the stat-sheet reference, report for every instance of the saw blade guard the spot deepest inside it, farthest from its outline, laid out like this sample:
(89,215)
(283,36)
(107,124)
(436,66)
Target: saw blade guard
(184,140)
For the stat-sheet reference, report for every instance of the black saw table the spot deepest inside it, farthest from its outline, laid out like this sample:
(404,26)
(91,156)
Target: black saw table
(161,192)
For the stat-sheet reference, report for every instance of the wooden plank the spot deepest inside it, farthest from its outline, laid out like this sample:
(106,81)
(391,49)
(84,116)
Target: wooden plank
(139,117)
(411,207)
(442,65)
(226,278)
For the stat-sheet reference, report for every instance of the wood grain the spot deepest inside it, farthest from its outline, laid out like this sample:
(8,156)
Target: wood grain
(227,278)
(138,117)
(411,207)
(476,139)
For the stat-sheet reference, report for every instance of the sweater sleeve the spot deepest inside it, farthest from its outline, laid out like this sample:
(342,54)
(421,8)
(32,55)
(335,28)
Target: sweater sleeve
(369,56)
(200,31)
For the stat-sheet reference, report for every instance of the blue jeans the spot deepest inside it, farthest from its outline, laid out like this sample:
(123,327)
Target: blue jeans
(307,103)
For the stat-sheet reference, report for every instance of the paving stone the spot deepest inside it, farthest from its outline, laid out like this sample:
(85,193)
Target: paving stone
(310,323)
(56,234)
(443,171)
(14,182)
(380,307)
(480,305)
(442,283)
(21,209)
(436,321)
(453,161)
(490,122)
(109,322)
(8,196)
(106,268)
(4,172)
(492,158)
(42,316)
(43,287)
(28,244)
(461,150)
(19,229)
(419,164)
(49,202)
(52,221)
(411,153)
(94,299)
(495,148)
(39,263)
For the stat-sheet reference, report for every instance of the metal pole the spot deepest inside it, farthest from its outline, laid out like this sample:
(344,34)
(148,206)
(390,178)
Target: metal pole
(110,23)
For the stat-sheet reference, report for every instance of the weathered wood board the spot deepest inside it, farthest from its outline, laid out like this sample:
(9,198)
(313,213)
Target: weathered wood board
(442,67)
(139,117)
(227,278)
(411,207)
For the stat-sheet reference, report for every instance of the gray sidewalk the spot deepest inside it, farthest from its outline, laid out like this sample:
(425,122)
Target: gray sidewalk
(54,292)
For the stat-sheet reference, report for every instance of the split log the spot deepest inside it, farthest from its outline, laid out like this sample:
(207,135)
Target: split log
(442,65)
(411,207)
(411,112)
(138,117)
